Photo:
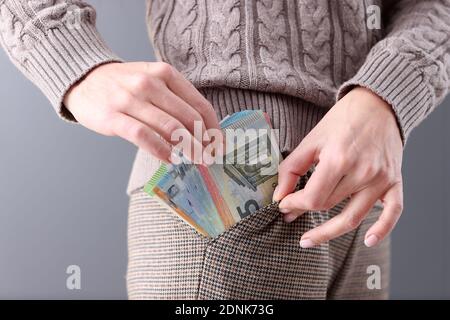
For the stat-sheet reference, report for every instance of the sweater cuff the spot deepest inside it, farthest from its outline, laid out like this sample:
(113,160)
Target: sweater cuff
(63,57)
(396,80)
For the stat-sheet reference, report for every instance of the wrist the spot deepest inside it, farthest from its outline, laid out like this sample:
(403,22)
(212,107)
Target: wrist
(75,88)
(366,104)
(377,107)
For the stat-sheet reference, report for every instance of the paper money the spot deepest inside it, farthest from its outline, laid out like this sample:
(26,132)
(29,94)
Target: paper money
(242,184)
(213,198)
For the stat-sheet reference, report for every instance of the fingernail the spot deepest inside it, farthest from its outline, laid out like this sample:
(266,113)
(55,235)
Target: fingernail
(276,196)
(306,243)
(371,240)
(289,217)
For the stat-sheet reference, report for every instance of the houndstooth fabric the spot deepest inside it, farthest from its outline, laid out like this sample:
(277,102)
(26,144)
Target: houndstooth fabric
(258,258)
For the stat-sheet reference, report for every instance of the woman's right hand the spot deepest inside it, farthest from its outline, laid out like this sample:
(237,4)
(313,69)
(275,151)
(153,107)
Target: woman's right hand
(142,102)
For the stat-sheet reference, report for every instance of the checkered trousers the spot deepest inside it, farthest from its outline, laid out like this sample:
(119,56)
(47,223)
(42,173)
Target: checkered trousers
(258,258)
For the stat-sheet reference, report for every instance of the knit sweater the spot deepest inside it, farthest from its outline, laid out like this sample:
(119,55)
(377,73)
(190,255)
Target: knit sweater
(314,51)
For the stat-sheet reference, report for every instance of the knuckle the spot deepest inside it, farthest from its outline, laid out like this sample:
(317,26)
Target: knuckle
(164,98)
(137,132)
(352,222)
(141,82)
(170,125)
(193,118)
(369,171)
(341,161)
(386,176)
(392,177)
(121,100)
(328,205)
(397,207)
(163,70)
(313,203)
(204,108)
(159,149)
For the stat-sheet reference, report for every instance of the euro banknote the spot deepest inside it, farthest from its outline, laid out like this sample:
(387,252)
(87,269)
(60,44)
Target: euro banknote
(212,198)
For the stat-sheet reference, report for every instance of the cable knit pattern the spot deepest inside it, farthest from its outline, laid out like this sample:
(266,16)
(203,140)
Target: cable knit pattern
(355,35)
(158,12)
(425,45)
(313,51)
(276,62)
(222,44)
(179,38)
(409,68)
(316,35)
(53,42)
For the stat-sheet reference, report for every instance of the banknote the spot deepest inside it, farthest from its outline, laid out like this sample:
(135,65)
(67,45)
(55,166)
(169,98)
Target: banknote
(183,190)
(241,180)
(213,198)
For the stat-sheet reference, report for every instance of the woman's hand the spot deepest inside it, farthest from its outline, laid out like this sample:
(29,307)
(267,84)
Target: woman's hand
(141,102)
(357,149)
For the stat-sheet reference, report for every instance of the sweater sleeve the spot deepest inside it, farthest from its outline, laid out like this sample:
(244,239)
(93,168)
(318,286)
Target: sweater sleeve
(410,67)
(54,43)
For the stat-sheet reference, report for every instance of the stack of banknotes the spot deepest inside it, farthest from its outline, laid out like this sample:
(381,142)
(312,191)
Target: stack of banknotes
(212,198)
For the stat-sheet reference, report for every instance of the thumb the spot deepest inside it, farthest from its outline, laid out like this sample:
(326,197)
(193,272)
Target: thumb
(292,168)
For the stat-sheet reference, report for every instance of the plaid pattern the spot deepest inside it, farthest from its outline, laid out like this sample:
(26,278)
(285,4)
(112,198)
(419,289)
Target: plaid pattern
(165,255)
(258,258)
(349,259)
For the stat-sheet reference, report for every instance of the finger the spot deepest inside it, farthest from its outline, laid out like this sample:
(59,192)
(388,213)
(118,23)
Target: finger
(170,103)
(155,91)
(160,121)
(141,135)
(393,207)
(166,125)
(347,186)
(292,168)
(350,218)
(350,183)
(186,91)
(317,190)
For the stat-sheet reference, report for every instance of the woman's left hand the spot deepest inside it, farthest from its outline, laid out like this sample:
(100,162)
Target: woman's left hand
(357,149)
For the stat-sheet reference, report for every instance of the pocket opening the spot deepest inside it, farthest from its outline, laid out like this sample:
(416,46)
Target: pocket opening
(254,220)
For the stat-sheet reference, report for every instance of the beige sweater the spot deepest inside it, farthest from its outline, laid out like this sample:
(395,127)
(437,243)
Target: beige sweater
(308,53)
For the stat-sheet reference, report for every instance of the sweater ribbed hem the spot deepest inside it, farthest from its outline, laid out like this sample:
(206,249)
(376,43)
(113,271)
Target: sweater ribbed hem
(62,58)
(293,117)
(392,77)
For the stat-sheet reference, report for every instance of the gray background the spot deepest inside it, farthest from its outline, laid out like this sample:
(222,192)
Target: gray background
(63,201)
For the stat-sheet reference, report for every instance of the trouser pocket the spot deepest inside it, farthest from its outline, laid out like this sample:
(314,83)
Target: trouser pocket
(258,258)
(261,258)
